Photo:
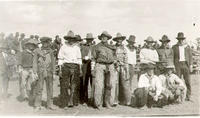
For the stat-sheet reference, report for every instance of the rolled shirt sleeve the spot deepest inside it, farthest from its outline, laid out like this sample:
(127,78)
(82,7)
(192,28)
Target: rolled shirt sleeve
(60,56)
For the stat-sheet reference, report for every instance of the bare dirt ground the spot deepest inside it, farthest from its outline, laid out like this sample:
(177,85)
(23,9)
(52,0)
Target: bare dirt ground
(14,107)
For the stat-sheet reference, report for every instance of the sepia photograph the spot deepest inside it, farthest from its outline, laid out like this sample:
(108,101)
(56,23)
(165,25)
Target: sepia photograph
(121,58)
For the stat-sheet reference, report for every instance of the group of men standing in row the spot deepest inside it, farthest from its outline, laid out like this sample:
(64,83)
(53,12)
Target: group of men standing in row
(110,70)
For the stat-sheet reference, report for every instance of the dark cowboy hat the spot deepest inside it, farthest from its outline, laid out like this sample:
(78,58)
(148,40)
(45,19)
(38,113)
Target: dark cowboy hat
(89,36)
(131,39)
(105,33)
(78,38)
(169,65)
(45,39)
(180,36)
(70,35)
(164,39)
(149,40)
(119,37)
(31,41)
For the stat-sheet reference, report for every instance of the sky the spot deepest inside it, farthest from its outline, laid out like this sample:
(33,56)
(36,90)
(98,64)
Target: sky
(141,18)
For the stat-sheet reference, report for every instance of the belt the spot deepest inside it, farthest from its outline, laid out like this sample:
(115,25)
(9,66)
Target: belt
(105,63)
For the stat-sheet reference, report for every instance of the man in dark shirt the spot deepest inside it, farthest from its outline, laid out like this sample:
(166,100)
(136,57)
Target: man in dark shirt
(104,71)
(86,57)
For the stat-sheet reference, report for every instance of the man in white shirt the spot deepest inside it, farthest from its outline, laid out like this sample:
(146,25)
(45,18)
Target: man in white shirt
(149,89)
(131,53)
(69,61)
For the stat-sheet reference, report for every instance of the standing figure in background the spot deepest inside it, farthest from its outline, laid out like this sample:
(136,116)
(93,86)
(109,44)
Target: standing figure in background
(4,73)
(27,71)
(131,53)
(69,61)
(45,64)
(86,50)
(183,61)
(123,71)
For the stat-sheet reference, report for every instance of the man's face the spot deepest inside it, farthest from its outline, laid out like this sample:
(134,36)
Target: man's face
(89,40)
(45,44)
(104,39)
(165,44)
(181,41)
(31,47)
(170,71)
(119,41)
(150,44)
(150,72)
(71,41)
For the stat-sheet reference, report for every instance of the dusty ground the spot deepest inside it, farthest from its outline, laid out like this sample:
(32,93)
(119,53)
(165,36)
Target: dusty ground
(13,107)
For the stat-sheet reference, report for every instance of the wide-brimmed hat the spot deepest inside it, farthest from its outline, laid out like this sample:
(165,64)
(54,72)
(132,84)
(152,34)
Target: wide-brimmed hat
(31,41)
(78,38)
(149,40)
(105,33)
(70,35)
(89,36)
(45,39)
(164,39)
(131,39)
(180,36)
(119,37)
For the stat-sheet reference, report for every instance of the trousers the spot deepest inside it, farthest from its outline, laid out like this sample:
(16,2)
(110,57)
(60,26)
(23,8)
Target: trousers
(49,89)
(70,85)
(102,84)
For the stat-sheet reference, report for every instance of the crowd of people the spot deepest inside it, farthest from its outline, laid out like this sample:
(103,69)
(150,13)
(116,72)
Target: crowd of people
(110,68)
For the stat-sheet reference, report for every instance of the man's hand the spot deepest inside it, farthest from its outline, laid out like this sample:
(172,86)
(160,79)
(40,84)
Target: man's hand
(191,68)
(81,73)
(93,73)
(60,71)
(155,98)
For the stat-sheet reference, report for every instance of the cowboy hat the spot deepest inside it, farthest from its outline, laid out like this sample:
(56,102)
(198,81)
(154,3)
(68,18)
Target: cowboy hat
(70,35)
(45,39)
(31,41)
(78,37)
(89,36)
(105,33)
(119,36)
(180,36)
(131,39)
(149,39)
(164,39)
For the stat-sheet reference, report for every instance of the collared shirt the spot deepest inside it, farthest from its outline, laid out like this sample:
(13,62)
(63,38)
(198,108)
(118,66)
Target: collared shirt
(69,54)
(182,52)
(166,54)
(131,54)
(148,56)
(154,82)
(103,54)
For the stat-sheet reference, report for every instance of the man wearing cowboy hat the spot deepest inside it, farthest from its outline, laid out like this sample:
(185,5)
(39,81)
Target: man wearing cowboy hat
(45,65)
(86,50)
(149,86)
(149,54)
(165,53)
(70,63)
(102,66)
(173,87)
(122,70)
(183,61)
(27,69)
(131,53)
